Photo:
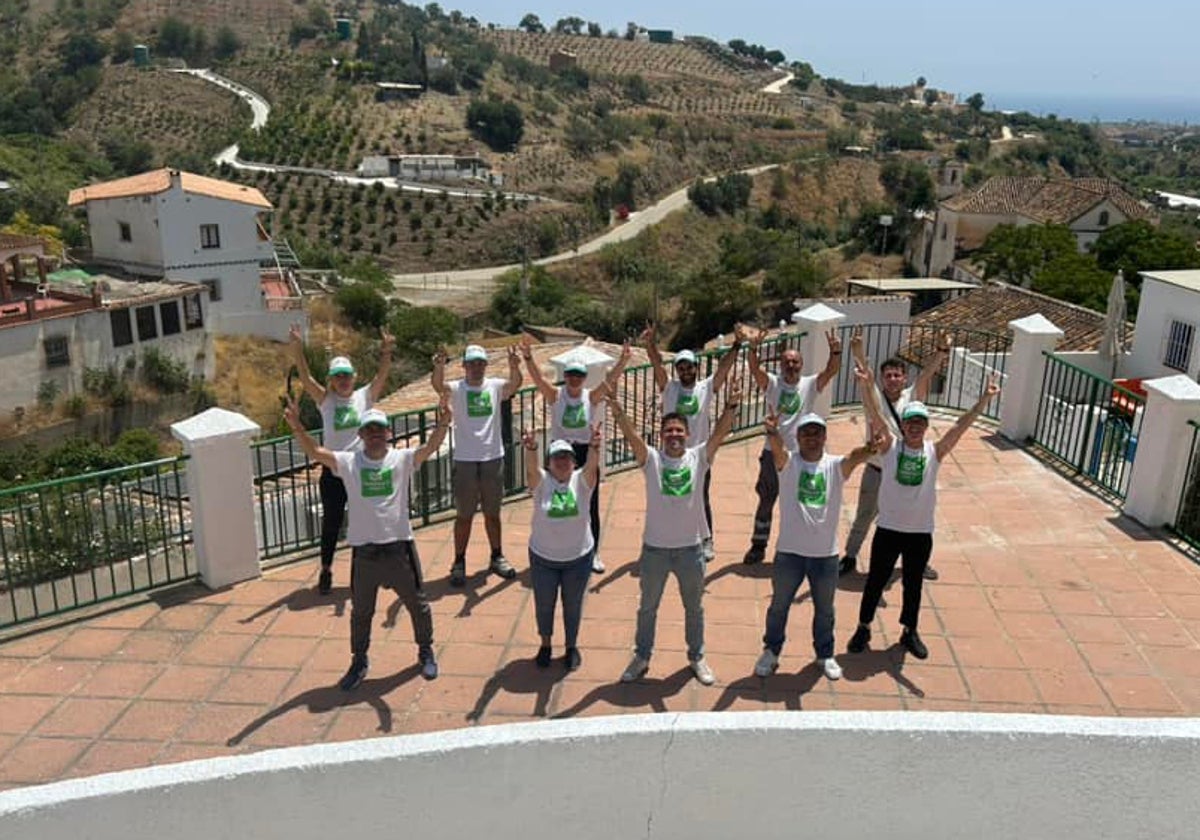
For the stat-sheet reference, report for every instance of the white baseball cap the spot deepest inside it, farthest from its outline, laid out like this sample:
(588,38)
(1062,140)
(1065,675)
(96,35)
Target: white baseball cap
(559,447)
(373,417)
(340,364)
(915,410)
(810,419)
(474,353)
(684,356)
(575,366)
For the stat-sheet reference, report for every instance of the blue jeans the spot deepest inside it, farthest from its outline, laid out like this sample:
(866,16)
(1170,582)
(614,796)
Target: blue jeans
(688,566)
(550,577)
(787,574)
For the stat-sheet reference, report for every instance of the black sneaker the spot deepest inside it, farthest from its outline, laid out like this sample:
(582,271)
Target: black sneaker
(755,555)
(858,642)
(847,565)
(543,656)
(458,573)
(325,581)
(930,573)
(913,644)
(501,567)
(356,674)
(572,659)
(429,666)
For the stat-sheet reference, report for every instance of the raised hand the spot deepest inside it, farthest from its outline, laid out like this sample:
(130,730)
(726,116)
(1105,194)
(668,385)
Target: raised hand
(514,355)
(863,374)
(597,435)
(296,335)
(387,340)
(626,352)
(529,439)
(444,414)
(734,396)
(945,343)
(440,358)
(291,413)
(993,387)
(771,422)
(526,346)
(878,439)
(649,334)
(856,343)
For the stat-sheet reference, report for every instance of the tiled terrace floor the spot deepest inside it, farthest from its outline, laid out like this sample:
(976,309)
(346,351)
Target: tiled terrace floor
(1048,602)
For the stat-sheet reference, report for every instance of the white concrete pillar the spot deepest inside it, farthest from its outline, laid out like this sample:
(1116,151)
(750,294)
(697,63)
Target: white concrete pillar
(597,361)
(1033,336)
(815,321)
(221,489)
(1160,467)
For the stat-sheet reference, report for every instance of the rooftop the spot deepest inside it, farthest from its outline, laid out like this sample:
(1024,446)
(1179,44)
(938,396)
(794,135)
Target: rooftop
(910,284)
(1183,278)
(158,181)
(1049,200)
(1049,602)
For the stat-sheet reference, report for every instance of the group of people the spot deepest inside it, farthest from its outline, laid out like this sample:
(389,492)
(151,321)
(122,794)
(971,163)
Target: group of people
(795,470)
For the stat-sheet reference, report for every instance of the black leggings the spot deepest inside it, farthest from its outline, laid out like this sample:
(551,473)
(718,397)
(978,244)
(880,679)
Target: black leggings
(886,547)
(581,454)
(333,513)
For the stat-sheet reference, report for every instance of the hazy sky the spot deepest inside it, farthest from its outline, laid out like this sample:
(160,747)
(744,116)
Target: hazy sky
(1038,48)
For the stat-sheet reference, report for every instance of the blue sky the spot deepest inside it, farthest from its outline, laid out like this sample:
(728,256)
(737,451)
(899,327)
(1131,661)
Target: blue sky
(1017,50)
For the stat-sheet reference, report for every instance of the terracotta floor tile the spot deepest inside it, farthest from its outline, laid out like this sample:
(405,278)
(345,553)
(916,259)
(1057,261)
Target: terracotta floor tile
(1016,599)
(469,659)
(1105,658)
(934,682)
(90,643)
(217,723)
(36,760)
(35,644)
(217,649)
(1050,655)
(985,652)
(1076,688)
(82,717)
(355,724)
(279,652)
(1139,693)
(151,720)
(969,623)
(120,679)
(1037,626)
(1174,662)
(1163,632)
(128,618)
(1139,604)
(20,713)
(153,646)
(112,756)
(188,617)
(994,686)
(253,685)
(185,682)
(1095,628)
(1069,602)
(52,677)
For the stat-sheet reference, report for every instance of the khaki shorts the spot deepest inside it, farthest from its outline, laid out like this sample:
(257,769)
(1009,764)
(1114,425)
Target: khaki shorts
(478,484)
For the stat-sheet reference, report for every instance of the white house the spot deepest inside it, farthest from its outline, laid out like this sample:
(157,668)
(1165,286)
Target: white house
(1168,319)
(1088,206)
(176,226)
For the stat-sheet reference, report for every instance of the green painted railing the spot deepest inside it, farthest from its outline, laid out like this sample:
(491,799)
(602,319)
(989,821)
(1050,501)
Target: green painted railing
(1187,514)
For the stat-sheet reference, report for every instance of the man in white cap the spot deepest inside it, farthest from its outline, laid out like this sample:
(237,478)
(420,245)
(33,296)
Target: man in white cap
(691,397)
(478,478)
(574,411)
(789,396)
(674,529)
(341,406)
(809,512)
(907,499)
(377,478)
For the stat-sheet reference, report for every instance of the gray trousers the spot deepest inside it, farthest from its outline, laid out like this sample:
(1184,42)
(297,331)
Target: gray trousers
(868,507)
(394,566)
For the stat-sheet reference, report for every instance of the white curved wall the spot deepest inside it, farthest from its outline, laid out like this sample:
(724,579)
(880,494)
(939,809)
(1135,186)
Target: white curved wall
(760,775)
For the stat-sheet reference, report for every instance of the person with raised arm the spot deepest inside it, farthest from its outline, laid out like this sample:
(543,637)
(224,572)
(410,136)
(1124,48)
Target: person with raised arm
(809,512)
(907,499)
(672,540)
(574,411)
(561,544)
(895,394)
(789,396)
(477,480)
(691,397)
(341,406)
(383,552)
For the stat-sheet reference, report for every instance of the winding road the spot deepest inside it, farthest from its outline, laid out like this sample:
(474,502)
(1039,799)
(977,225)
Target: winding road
(778,85)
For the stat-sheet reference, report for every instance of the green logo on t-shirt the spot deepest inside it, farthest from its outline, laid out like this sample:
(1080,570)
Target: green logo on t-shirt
(375,483)
(677,482)
(687,405)
(563,504)
(345,417)
(479,403)
(810,489)
(789,402)
(910,469)
(574,416)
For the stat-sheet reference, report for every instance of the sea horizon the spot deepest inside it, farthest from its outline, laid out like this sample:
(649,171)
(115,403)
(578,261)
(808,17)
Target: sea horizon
(1117,108)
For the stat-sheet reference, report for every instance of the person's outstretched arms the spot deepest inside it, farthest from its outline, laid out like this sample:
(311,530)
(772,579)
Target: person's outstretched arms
(948,441)
(315,452)
(636,442)
(296,347)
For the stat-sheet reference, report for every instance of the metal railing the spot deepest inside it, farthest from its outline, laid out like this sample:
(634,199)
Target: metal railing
(1187,515)
(82,540)
(1089,424)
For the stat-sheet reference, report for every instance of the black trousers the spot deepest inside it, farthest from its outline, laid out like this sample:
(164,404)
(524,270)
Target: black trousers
(581,454)
(913,550)
(394,566)
(333,513)
(767,488)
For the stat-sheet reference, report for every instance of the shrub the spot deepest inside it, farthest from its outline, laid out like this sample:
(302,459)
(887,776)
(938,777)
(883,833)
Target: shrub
(163,373)
(362,305)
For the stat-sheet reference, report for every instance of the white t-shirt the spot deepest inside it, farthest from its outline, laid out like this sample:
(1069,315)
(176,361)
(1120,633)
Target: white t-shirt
(906,396)
(810,503)
(339,419)
(562,528)
(908,489)
(376,496)
(572,419)
(675,498)
(477,420)
(790,404)
(694,403)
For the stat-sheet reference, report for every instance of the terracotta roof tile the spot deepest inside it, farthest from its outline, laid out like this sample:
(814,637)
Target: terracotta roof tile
(1057,201)
(152,183)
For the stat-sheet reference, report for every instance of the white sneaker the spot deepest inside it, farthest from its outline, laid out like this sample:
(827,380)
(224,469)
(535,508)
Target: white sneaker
(833,671)
(767,663)
(597,564)
(709,551)
(703,673)
(635,670)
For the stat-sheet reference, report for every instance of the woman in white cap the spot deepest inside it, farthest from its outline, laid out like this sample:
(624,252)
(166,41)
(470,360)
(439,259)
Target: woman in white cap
(574,410)
(560,540)
(342,407)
